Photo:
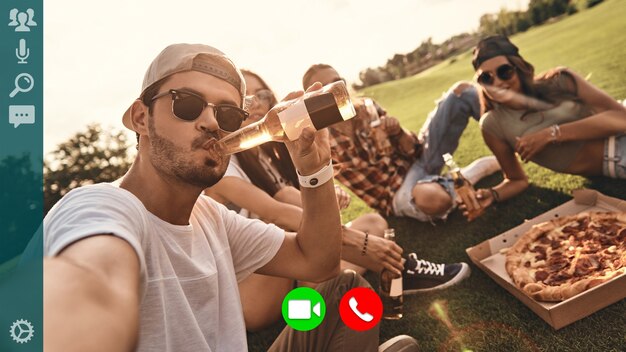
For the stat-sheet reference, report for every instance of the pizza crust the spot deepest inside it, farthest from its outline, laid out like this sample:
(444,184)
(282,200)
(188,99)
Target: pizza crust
(542,292)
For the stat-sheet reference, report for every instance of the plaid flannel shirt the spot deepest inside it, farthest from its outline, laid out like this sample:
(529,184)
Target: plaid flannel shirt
(373,177)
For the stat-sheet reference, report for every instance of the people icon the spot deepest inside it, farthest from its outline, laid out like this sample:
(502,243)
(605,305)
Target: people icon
(31,16)
(13,18)
(22,21)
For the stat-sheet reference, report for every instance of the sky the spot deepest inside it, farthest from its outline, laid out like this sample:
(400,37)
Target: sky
(96,53)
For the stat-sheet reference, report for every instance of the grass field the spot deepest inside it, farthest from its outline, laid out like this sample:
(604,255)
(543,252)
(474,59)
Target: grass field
(482,315)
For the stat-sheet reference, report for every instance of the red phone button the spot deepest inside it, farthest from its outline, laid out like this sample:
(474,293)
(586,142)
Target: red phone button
(361,308)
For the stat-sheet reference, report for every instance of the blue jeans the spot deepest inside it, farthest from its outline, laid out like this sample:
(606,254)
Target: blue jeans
(440,134)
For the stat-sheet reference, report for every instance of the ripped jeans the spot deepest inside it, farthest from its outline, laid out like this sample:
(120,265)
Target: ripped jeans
(440,134)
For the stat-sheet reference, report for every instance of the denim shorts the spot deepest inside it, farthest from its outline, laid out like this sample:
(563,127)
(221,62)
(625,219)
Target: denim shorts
(440,133)
(403,203)
(614,166)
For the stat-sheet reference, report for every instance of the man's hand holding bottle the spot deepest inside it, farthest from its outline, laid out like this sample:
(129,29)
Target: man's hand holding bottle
(475,202)
(311,152)
(391,125)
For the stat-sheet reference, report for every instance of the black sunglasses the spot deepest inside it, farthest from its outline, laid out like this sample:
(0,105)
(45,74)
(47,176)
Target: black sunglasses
(504,72)
(188,106)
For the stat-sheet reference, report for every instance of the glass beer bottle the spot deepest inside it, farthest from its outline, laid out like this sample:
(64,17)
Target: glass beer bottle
(317,109)
(391,288)
(462,186)
(381,140)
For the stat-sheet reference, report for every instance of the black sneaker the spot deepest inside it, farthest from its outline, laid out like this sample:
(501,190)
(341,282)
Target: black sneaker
(422,276)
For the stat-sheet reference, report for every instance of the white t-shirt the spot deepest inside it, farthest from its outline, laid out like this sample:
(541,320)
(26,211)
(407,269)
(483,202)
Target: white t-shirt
(235,170)
(189,274)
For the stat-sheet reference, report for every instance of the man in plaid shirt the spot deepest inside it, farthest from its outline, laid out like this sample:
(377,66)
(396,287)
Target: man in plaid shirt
(399,174)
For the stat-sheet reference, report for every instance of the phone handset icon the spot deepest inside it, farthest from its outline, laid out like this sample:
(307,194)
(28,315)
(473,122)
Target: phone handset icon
(366,317)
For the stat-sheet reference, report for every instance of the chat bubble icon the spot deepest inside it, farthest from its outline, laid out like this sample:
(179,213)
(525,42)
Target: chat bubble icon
(21,115)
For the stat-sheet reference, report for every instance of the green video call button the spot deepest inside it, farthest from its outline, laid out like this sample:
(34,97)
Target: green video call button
(304,309)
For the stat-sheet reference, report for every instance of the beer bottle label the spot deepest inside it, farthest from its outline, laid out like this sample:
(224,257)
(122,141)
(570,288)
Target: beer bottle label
(294,119)
(323,110)
(318,112)
(396,287)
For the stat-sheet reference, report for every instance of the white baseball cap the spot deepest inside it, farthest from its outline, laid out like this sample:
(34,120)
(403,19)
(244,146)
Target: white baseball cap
(190,57)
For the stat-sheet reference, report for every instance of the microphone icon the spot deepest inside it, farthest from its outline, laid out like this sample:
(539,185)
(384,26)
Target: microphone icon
(22,52)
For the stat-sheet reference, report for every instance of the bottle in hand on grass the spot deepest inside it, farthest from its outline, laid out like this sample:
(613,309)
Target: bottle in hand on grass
(462,186)
(391,288)
(317,109)
(380,137)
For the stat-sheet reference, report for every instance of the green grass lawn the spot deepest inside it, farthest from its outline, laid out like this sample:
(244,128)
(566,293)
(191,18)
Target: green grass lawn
(482,315)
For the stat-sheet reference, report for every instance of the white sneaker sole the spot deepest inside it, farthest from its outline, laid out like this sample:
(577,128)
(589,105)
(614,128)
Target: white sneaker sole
(401,343)
(464,273)
(481,168)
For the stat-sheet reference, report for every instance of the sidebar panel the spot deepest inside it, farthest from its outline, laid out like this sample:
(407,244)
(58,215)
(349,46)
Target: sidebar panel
(21,179)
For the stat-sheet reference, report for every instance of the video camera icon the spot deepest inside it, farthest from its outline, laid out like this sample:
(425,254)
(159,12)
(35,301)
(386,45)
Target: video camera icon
(304,309)
(301,309)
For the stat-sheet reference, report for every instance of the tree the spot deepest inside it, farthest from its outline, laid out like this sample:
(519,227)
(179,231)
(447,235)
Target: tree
(488,24)
(538,11)
(507,21)
(592,3)
(522,22)
(395,66)
(571,8)
(558,7)
(92,156)
(370,77)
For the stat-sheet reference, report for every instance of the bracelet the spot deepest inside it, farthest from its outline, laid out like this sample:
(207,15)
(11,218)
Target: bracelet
(555,133)
(495,195)
(364,250)
(318,178)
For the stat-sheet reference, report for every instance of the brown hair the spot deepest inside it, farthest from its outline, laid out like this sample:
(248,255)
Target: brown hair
(278,153)
(146,99)
(311,71)
(555,86)
(263,83)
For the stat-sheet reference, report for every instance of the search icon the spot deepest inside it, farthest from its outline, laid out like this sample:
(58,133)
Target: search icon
(24,83)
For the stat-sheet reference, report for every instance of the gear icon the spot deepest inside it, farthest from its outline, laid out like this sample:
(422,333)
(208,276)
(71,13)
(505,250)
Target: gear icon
(22,331)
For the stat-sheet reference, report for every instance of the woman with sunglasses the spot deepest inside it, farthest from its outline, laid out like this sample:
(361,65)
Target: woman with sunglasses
(262,182)
(557,120)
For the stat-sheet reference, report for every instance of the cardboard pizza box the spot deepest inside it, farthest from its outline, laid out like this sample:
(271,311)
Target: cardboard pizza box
(487,257)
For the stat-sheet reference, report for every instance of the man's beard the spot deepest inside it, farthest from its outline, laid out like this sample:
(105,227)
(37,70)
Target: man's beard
(172,160)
